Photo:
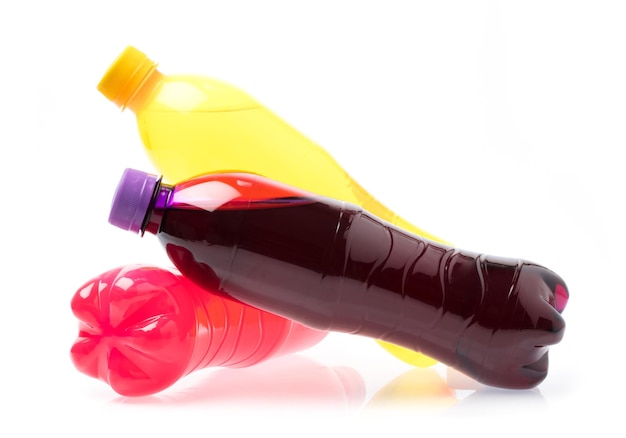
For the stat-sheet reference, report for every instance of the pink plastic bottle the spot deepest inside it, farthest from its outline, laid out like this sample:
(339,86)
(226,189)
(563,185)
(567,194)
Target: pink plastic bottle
(142,328)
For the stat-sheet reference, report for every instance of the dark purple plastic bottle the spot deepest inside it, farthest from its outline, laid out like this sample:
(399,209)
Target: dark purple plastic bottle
(332,266)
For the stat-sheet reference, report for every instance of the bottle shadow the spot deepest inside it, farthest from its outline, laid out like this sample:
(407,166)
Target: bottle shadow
(293,380)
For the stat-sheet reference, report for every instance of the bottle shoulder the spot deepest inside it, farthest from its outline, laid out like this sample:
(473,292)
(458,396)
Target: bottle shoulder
(195,93)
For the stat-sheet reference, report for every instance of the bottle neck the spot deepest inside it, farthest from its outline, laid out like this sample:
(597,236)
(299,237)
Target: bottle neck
(140,94)
(157,209)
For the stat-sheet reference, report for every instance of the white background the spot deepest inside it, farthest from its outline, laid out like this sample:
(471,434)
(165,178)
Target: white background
(498,126)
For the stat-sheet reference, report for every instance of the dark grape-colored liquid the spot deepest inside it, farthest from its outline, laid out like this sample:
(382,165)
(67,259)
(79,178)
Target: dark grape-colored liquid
(332,266)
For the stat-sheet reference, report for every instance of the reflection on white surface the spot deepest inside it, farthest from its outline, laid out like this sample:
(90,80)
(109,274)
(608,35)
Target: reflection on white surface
(299,381)
(486,399)
(288,380)
(426,390)
(422,389)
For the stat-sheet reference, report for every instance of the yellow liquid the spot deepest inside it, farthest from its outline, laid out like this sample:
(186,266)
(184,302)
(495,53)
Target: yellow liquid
(192,125)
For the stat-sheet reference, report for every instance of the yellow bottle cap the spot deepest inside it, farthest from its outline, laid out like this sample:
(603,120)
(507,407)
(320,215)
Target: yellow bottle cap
(125,75)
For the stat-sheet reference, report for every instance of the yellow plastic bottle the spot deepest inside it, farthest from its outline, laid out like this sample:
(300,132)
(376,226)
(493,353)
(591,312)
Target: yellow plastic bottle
(192,124)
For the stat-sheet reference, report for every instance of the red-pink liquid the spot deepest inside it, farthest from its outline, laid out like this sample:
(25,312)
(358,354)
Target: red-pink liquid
(332,266)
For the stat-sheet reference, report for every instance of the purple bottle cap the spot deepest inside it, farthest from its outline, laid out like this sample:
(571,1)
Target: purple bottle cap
(132,199)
